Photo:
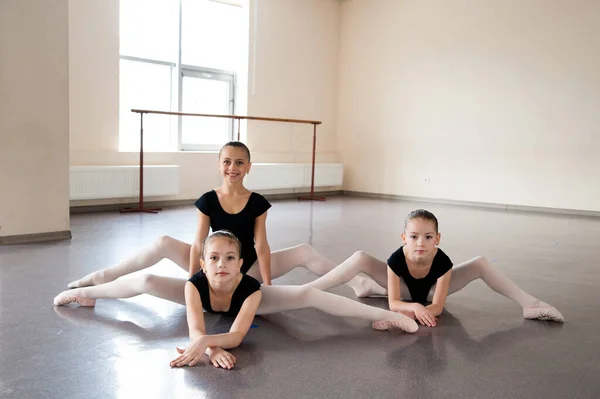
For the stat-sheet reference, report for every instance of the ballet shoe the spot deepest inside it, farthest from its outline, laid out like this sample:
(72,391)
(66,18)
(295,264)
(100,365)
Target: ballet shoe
(543,311)
(71,296)
(407,325)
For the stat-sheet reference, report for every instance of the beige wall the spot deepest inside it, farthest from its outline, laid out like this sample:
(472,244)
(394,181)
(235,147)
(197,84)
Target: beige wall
(34,117)
(93,77)
(496,101)
(293,73)
(295,77)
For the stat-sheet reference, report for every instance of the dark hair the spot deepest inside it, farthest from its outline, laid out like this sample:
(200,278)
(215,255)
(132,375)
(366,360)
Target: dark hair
(223,234)
(421,214)
(236,144)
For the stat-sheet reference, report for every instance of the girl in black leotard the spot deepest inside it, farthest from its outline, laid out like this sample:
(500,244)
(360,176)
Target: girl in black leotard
(221,288)
(420,272)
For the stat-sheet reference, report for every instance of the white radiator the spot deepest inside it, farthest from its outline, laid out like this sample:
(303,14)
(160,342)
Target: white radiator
(98,182)
(264,176)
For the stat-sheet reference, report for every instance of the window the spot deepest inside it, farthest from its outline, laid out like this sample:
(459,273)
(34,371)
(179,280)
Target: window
(180,55)
(206,92)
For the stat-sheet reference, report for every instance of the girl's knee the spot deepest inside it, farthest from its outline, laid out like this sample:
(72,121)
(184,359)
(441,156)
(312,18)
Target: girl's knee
(304,248)
(366,262)
(164,242)
(302,251)
(146,282)
(480,264)
(304,291)
(481,261)
(360,256)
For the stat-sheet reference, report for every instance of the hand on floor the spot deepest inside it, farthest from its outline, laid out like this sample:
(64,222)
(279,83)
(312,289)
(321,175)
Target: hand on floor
(221,358)
(424,316)
(189,356)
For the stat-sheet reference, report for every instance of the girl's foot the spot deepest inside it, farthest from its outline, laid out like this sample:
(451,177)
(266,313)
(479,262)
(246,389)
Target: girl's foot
(405,324)
(364,287)
(542,311)
(94,278)
(71,296)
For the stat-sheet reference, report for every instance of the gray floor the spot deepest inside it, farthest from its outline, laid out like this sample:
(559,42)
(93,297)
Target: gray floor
(481,348)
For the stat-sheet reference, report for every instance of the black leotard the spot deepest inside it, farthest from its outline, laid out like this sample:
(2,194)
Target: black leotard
(241,224)
(245,288)
(419,287)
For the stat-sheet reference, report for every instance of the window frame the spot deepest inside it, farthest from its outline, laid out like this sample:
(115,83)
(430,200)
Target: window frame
(184,70)
(215,74)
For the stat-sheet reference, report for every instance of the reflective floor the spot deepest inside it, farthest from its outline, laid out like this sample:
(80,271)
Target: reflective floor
(481,348)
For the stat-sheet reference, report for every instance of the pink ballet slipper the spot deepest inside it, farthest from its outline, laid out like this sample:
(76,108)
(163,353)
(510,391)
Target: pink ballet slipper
(407,325)
(71,296)
(543,311)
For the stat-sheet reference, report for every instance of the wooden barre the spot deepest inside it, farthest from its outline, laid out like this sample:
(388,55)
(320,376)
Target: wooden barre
(141,207)
(239,117)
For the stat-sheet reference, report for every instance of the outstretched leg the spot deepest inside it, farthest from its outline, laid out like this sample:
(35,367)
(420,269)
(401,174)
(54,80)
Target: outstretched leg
(169,288)
(359,262)
(285,260)
(165,247)
(279,298)
(479,268)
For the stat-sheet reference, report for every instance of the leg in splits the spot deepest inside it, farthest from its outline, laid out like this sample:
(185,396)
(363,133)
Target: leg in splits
(359,262)
(274,299)
(479,268)
(285,260)
(279,298)
(169,288)
(164,248)
(282,262)
(462,274)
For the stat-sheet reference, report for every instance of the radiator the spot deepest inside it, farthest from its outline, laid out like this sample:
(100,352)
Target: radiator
(98,182)
(265,176)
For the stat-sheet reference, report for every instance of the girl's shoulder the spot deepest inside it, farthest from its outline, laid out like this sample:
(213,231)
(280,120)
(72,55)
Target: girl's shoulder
(207,201)
(249,284)
(441,262)
(397,262)
(258,203)
(441,256)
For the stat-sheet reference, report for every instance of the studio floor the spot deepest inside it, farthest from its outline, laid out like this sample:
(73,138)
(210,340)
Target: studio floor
(481,348)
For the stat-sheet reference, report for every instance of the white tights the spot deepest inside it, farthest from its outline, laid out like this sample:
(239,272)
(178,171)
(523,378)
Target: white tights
(275,298)
(282,262)
(108,283)
(462,274)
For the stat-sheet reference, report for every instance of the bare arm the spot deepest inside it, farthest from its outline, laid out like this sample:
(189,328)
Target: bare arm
(263,251)
(416,311)
(201,342)
(238,330)
(440,294)
(201,233)
(240,326)
(195,312)
(394,295)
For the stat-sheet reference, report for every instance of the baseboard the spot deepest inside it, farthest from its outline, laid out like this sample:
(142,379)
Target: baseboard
(188,202)
(487,205)
(37,237)
(331,193)
(117,207)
